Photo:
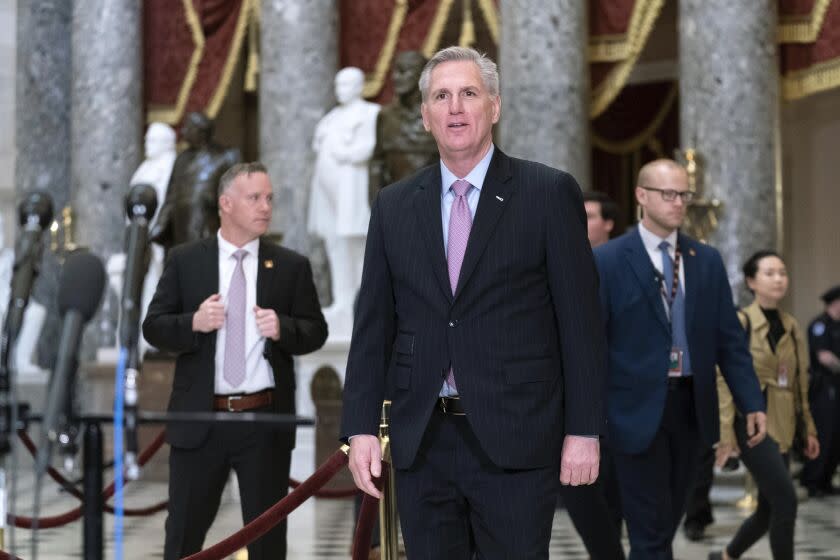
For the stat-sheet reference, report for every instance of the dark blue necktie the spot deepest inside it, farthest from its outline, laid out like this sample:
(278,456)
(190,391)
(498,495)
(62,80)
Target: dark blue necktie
(679,339)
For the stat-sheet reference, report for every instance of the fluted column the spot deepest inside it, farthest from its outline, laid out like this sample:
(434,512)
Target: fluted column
(299,59)
(107,117)
(545,83)
(729,97)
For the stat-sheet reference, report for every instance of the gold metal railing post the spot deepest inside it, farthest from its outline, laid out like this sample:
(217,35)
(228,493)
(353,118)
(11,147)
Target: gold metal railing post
(388,521)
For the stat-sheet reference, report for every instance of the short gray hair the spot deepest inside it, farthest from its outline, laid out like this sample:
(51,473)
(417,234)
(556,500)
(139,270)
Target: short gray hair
(486,67)
(240,169)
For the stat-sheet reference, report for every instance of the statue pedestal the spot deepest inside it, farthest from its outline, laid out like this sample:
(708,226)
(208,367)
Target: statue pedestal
(334,354)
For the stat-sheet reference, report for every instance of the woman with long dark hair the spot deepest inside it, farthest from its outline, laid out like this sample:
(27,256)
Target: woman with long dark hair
(780,357)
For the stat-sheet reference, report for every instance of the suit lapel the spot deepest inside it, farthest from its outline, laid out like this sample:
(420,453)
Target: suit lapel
(427,205)
(495,194)
(689,257)
(265,273)
(645,273)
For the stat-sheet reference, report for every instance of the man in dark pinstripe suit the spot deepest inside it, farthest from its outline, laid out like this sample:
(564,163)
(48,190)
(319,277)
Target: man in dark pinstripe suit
(478,316)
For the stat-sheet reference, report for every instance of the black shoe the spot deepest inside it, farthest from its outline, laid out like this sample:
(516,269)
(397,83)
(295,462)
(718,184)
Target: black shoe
(716,556)
(694,533)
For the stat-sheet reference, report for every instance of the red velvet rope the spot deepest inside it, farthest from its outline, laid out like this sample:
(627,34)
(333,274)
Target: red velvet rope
(6,556)
(367,518)
(276,513)
(74,514)
(337,493)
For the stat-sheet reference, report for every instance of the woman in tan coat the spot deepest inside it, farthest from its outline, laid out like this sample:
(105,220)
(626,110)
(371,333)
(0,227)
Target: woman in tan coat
(780,357)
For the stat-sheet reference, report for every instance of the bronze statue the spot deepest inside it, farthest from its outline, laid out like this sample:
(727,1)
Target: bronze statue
(402,144)
(190,210)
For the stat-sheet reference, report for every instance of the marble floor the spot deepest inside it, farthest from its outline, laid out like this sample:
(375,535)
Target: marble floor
(322,528)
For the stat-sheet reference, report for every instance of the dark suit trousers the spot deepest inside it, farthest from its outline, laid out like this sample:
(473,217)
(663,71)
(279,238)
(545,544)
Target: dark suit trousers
(698,511)
(595,511)
(454,500)
(655,483)
(198,476)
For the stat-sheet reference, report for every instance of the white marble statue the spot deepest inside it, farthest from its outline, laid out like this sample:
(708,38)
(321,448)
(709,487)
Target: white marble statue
(339,210)
(155,170)
(7,262)
(33,317)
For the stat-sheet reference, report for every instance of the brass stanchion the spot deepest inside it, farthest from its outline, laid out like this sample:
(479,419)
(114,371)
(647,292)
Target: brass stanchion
(389,536)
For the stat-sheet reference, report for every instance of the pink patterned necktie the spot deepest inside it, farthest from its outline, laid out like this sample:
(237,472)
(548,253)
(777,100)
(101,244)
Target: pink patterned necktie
(460,223)
(234,366)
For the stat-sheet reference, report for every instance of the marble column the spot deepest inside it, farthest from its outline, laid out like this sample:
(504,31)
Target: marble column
(107,134)
(545,83)
(299,59)
(42,160)
(107,111)
(729,99)
(42,106)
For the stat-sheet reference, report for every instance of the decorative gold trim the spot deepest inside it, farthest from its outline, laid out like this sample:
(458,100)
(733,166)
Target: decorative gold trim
(467,36)
(803,29)
(166,113)
(608,89)
(620,46)
(634,143)
(373,84)
(232,58)
(491,16)
(430,45)
(817,78)
(252,67)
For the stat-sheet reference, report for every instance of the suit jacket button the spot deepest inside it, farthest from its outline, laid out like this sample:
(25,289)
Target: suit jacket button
(453,323)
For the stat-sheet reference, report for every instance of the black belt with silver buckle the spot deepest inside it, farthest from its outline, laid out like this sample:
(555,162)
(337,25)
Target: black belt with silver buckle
(451,405)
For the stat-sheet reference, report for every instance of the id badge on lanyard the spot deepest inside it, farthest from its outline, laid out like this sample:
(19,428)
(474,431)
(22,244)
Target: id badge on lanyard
(782,378)
(675,359)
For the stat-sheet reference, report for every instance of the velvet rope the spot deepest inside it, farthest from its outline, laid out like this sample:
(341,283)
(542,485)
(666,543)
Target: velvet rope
(337,493)
(367,518)
(74,514)
(276,513)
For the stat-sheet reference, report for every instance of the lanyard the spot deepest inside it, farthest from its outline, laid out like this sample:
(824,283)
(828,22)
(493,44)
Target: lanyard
(675,283)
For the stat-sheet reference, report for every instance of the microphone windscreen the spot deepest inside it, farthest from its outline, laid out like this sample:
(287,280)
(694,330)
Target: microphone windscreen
(38,205)
(141,202)
(81,285)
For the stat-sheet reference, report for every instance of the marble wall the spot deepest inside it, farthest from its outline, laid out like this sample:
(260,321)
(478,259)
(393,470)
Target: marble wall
(810,136)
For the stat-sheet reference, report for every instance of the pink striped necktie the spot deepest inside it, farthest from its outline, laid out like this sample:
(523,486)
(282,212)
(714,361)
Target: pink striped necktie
(234,362)
(460,224)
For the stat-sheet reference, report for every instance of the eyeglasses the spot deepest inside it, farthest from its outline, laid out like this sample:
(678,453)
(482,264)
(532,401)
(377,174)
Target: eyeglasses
(670,195)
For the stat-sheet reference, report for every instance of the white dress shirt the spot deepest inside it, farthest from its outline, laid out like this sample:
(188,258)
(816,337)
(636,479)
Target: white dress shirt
(447,196)
(258,374)
(651,242)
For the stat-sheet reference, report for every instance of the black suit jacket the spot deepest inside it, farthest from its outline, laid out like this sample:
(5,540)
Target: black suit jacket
(523,330)
(191,275)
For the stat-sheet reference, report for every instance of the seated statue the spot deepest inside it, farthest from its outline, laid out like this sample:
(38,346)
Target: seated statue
(190,209)
(402,144)
(338,209)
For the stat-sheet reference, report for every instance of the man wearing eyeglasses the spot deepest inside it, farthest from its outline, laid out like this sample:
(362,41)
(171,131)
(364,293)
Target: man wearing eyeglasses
(670,320)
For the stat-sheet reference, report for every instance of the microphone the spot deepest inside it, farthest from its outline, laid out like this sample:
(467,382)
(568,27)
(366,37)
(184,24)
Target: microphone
(35,214)
(140,205)
(80,291)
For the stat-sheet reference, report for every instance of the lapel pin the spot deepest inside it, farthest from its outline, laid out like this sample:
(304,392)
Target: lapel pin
(500,198)
(268,263)
(692,252)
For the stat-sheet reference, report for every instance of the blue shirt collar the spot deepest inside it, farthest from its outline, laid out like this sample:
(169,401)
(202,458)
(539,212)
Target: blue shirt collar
(474,177)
